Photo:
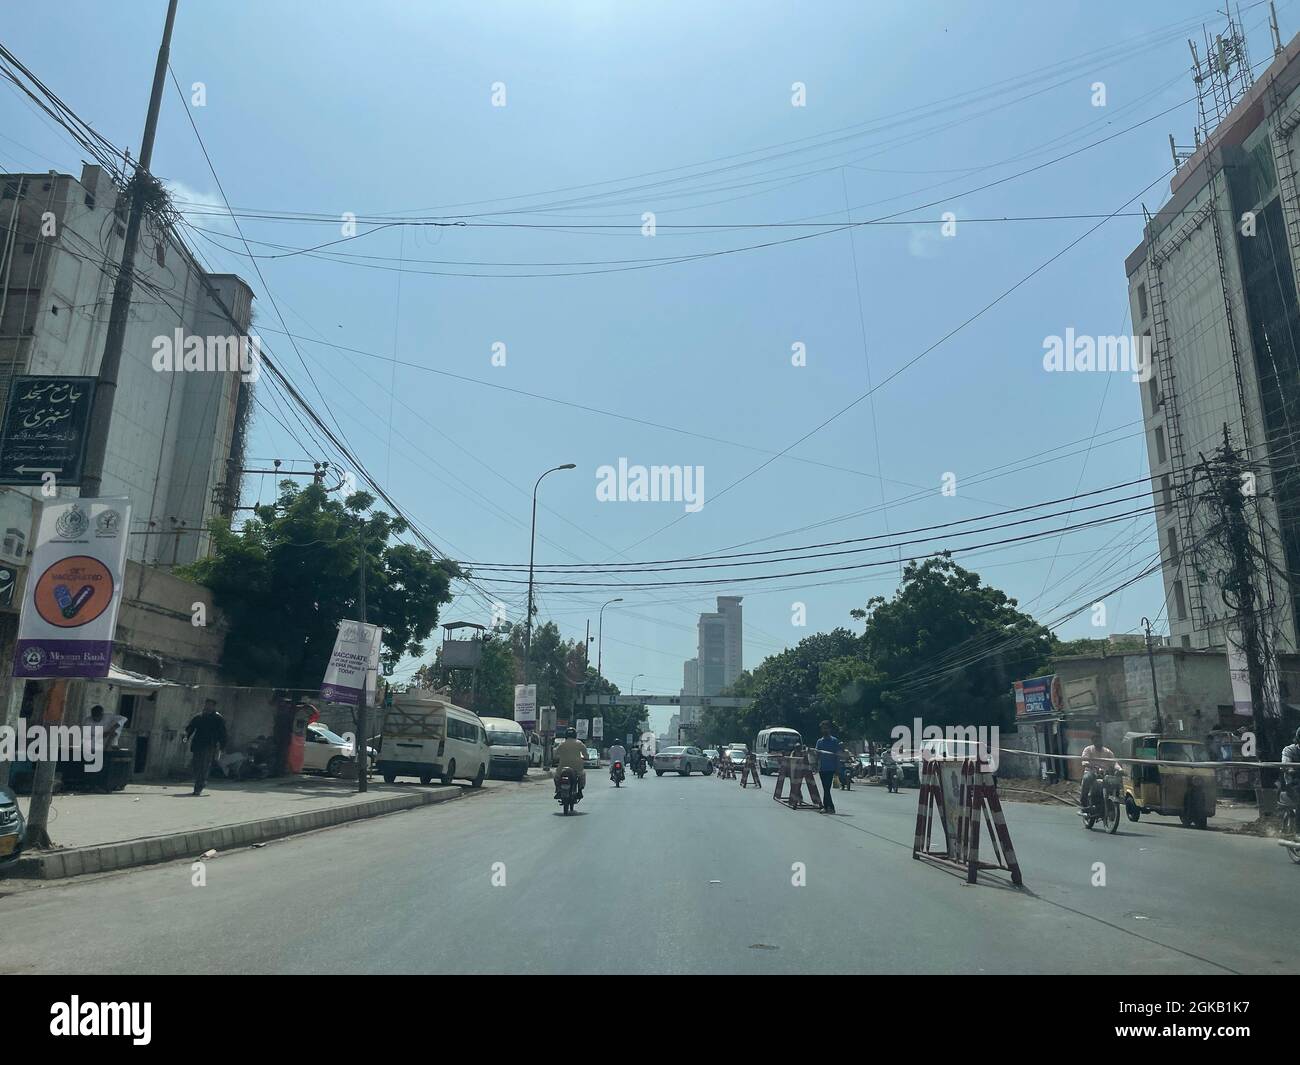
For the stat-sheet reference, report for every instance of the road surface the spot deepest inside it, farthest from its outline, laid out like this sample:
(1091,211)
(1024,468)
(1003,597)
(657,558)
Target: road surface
(672,875)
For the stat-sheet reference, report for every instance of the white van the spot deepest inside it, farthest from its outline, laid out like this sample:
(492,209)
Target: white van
(509,743)
(426,736)
(771,744)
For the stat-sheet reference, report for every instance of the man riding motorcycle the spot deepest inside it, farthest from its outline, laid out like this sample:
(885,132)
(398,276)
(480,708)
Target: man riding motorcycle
(1291,769)
(570,755)
(617,753)
(1097,758)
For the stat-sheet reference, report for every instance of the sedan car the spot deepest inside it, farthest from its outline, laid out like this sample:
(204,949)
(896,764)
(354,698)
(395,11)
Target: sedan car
(710,754)
(736,757)
(682,760)
(325,751)
(13,828)
(592,761)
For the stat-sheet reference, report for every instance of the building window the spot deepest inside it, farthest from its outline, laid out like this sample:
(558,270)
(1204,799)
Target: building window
(1180,602)
(1167,490)
(1161,455)
(1153,387)
(1171,539)
(1143,309)
(160,252)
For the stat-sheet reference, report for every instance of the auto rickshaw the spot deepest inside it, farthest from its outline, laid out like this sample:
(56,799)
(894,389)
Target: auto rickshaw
(1188,792)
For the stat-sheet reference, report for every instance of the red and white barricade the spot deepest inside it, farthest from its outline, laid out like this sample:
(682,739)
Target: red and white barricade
(959,796)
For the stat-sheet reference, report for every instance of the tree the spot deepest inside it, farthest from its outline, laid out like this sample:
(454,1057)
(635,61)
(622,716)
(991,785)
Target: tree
(286,579)
(950,647)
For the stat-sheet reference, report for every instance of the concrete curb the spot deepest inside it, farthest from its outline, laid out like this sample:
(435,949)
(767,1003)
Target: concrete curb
(103,858)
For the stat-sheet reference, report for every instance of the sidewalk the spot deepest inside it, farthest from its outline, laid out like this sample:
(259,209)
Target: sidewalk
(147,823)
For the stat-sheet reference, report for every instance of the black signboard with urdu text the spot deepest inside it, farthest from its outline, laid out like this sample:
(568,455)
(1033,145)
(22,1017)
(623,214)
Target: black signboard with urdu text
(46,420)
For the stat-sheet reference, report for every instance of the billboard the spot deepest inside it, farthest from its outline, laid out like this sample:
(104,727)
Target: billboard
(1038,696)
(74,589)
(526,706)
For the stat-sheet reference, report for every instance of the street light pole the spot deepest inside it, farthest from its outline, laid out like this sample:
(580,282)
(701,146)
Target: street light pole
(532,544)
(600,638)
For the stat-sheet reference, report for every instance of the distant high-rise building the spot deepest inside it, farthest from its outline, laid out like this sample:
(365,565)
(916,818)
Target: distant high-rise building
(690,711)
(720,646)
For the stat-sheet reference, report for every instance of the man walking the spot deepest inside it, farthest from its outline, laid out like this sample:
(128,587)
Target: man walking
(828,748)
(208,730)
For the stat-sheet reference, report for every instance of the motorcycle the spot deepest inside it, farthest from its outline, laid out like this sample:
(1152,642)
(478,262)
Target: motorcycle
(892,777)
(1290,817)
(1105,801)
(566,790)
(616,773)
(640,769)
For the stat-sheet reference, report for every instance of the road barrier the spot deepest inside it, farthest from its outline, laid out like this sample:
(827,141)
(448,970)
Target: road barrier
(963,797)
(750,768)
(796,769)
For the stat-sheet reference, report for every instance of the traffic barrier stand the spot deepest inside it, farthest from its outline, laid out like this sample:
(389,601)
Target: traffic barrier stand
(964,797)
(750,767)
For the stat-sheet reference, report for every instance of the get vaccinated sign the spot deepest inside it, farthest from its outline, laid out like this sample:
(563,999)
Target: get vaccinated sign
(74,590)
(354,664)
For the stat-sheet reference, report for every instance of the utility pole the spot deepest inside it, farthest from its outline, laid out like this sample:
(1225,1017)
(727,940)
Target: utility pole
(105,389)
(361,749)
(1155,693)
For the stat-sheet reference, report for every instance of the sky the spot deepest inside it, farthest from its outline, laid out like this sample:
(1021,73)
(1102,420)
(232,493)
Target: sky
(735,336)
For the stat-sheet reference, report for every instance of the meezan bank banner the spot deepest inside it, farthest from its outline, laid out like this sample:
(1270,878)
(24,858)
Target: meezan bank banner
(74,589)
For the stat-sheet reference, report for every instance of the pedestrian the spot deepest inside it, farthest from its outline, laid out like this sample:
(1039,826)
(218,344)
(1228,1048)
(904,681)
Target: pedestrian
(828,748)
(208,732)
(110,723)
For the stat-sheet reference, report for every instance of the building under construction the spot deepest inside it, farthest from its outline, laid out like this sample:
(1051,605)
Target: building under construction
(1213,290)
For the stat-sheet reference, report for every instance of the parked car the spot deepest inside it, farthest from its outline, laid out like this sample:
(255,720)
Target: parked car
(534,750)
(326,752)
(13,828)
(592,761)
(683,761)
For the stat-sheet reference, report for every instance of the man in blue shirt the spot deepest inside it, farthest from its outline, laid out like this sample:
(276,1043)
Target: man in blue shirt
(828,748)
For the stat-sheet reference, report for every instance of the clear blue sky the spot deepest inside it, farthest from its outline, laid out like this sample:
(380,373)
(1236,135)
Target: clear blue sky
(386,108)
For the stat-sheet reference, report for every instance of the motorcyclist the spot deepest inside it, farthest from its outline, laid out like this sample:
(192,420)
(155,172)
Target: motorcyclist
(1291,769)
(571,754)
(617,753)
(1097,758)
(638,759)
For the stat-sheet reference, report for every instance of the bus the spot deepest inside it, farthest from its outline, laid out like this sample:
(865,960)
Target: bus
(771,744)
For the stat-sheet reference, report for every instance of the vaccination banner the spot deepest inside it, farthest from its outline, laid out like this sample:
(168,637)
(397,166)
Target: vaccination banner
(74,589)
(353,662)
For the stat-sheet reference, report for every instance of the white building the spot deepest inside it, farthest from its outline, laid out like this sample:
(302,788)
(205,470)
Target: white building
(720,658)
(1213,285)
(175,445)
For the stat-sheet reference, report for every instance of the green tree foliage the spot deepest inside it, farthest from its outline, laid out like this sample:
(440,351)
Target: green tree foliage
(286,579)
(950,647)
(1100,648)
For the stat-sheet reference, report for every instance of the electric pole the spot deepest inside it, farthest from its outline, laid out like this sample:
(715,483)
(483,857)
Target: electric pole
(361,749)
(56,694)
(1155,692)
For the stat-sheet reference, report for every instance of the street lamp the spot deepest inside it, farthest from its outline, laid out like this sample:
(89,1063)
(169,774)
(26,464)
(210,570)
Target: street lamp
(532,544)
(632,690)
(600,634)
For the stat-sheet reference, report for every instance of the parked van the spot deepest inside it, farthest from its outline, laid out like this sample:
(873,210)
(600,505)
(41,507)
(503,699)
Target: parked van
(771,744)
(427,736)
(509,743)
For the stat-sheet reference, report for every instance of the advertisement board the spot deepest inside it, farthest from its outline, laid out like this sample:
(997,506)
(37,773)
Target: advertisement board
(74,589)
(526,707)
(1038,696)
(354,662)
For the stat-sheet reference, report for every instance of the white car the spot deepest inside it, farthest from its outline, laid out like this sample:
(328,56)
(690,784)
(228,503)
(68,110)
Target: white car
(325,751)
(592,761)
(682,760)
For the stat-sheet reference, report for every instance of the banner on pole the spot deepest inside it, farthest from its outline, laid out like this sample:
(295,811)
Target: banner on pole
(598,728)
(74,589)
(582,728)
(353,662)
(526,707)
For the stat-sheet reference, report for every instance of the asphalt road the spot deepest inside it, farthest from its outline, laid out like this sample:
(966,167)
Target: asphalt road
(672,875)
